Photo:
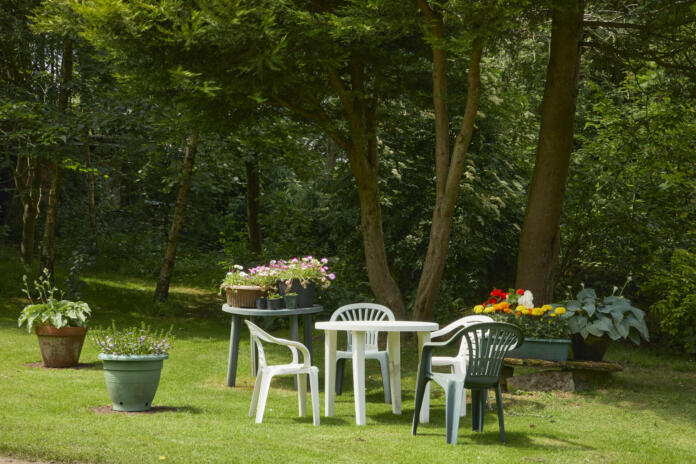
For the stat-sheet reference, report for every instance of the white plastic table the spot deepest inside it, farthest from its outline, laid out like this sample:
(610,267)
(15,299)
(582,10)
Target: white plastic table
(358,329)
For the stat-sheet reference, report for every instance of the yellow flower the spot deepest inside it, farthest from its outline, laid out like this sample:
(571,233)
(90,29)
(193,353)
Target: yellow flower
(546,308)
(537,312)
(478,309)
(552,315)
(521,308)
(560,310)
(489,310)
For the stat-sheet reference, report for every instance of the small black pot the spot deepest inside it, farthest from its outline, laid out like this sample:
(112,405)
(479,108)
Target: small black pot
(262,303)
(305,295)
(275,303)
(291,301)
(589,349)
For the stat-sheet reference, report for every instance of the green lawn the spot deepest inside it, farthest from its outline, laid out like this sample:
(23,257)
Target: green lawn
(645,414)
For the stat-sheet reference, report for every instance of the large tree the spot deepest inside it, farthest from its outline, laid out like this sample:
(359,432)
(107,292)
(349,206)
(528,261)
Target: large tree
(540,237)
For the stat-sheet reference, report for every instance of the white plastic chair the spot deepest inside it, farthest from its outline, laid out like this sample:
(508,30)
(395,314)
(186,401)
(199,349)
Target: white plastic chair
(266,373)
(364,312)
(457,364)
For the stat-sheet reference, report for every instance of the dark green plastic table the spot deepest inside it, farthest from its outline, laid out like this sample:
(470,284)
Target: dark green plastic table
(293,314)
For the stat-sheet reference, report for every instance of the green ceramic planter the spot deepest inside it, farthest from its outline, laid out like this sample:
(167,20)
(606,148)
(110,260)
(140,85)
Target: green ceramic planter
(542,348)
(132,380)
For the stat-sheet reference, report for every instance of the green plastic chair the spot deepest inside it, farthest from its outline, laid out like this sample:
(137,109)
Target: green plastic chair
(487,345)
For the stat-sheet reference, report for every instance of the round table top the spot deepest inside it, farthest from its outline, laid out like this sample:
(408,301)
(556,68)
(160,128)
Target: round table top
(378,326)
(271,312)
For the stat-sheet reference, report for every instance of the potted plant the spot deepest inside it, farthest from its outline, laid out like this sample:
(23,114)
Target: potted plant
(546,333)
(133,359)
(291,300)
(241,288)
(275,301)
(301,276)
(595,321)
(59,324)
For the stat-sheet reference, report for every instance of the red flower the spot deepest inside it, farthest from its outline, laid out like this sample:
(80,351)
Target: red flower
(492,300)
(520,291)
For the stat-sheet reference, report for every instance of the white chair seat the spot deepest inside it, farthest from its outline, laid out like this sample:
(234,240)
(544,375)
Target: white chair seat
(266,373)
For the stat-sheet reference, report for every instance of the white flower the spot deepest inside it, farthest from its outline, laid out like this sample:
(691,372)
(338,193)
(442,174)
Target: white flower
(237,266)
(243,274)
(526,300)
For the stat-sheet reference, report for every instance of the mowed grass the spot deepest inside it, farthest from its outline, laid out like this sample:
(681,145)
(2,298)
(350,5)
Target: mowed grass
(645,414)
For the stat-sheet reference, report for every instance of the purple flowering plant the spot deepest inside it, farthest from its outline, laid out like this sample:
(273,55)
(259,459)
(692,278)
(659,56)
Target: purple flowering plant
(307,269)
(132,340)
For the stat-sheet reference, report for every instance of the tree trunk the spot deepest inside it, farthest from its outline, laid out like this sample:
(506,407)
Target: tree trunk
(253,191)
(27,177)
(540,238)
(165,275)
(49,236)
(90,190)
(448,172)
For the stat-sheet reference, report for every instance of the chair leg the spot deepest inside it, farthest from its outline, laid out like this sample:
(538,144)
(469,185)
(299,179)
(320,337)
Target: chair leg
(263,396)
(420,393)
(475,409)
(255,395)
(340,364)
(384,365)
(457,368)
(501,420)
(453,403)
(314,389)
(482,408)
(302,393)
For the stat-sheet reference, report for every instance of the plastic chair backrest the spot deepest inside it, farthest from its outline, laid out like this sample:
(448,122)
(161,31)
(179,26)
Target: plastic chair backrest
(364,312)
(259,335)
(488,343)
(466,321)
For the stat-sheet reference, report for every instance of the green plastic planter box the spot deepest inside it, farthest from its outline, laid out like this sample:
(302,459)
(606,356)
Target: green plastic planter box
(132,380)
(549,349)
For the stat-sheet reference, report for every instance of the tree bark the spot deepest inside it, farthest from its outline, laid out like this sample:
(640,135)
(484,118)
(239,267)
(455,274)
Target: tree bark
(364,162)
(165,275)
(90,190)
(448,172)
(253,192)
(540,238)
(49,236)
(27,177)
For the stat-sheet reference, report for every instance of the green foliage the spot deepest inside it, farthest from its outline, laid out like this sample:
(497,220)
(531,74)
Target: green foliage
(547,325)
(132,341)
(675,311)
(612,316)
(51,309)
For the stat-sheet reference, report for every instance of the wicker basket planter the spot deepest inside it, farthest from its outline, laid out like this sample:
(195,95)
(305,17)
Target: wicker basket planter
(244,296)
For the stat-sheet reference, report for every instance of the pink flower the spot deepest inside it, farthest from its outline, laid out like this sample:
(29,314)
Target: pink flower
(332,276)
(324,260)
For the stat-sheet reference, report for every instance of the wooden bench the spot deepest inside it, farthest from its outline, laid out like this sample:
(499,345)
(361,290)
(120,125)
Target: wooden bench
(567,375)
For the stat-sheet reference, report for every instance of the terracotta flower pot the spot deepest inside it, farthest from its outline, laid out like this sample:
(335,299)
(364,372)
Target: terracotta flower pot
(60,347)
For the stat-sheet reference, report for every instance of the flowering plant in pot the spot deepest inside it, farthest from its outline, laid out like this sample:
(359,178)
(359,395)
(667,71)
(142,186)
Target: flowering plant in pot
(241,288)
(133,360)
(302,275)
(60,324)
(545,330)
(595,321)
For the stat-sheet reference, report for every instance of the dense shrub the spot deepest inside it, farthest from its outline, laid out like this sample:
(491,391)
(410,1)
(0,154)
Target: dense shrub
(675,312)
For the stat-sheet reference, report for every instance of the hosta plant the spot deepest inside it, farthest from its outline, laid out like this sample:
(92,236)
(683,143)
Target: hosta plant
(613,316)
(48,308)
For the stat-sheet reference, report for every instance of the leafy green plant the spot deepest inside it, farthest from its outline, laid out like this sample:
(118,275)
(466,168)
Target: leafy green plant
(132,340)
(612,316)
(676,293)
(49,308)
